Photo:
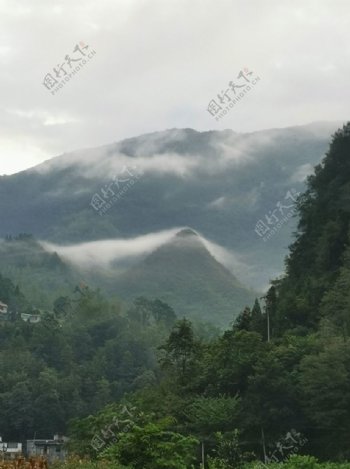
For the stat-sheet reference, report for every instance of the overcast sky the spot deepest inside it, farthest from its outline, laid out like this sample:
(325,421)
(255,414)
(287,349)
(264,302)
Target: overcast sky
(158,63)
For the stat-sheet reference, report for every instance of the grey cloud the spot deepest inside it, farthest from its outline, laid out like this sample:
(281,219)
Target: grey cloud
(302,172)
(157,66)
(103,253)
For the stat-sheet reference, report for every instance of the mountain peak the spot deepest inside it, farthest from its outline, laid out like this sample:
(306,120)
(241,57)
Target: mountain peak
(183,273)
(186,232)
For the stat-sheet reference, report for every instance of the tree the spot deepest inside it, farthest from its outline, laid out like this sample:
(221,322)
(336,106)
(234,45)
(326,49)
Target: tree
(163,313)
(180,350)
(317,253)
(270,310)
(206,415)
(17,410)
(335,305)
(146,312)
(229,454)
(258,321)
(243,320)
(324,384)
(231,361)
(152,446)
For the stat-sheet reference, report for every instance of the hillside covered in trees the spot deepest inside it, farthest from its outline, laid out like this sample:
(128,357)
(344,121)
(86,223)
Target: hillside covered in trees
(143,389)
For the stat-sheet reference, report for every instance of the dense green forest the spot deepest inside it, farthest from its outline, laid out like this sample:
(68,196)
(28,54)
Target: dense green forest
(181,272)
(143,389)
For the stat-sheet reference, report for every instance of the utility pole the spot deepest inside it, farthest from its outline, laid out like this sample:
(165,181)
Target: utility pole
(263,443)
(268,323)
(203,456)
(267,311)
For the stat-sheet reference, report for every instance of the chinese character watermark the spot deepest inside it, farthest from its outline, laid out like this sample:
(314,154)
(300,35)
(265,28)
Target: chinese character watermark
(285,447)
(228,98)
(63,72)
(268,227)
(109,434)
(113,191)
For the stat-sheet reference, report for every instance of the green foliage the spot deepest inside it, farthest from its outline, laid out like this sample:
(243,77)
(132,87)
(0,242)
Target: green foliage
(181,272)
(236,393)
(317,255)
(71,364)
(180,350)
(84,463)
(185,275)
(207,415)
(147,312)
(335,304)
(297,462)
(228,454)
(253,319)
(41,275)
(12,295)
(152,447)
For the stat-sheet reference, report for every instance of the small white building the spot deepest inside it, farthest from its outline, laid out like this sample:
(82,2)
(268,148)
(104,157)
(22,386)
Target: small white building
(53,450)
(32,318)
(4,313)
(10,450)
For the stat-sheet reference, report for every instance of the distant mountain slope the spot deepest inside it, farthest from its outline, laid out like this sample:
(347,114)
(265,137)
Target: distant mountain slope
(219,182)
(180,271)
(41,275)
(11,295)
(185,275)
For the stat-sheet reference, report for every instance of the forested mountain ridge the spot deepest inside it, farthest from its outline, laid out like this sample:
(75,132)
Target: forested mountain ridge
(41,275)
(276,382)
(318,259)
(279,378)
(81,356)
(11,295)
(220,183)
(185,275)
(181,272)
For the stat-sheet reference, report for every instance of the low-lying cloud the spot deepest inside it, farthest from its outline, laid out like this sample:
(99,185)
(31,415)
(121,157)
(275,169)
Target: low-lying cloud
(105,254)
(102,253)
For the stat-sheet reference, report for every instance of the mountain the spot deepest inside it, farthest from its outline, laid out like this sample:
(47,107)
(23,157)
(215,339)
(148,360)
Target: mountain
(12,296)
(179,269)
(184,274)
(41,275)
(316,286)
(221,183)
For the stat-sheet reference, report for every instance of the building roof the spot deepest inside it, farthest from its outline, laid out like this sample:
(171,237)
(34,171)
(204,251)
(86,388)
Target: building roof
(47,442)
